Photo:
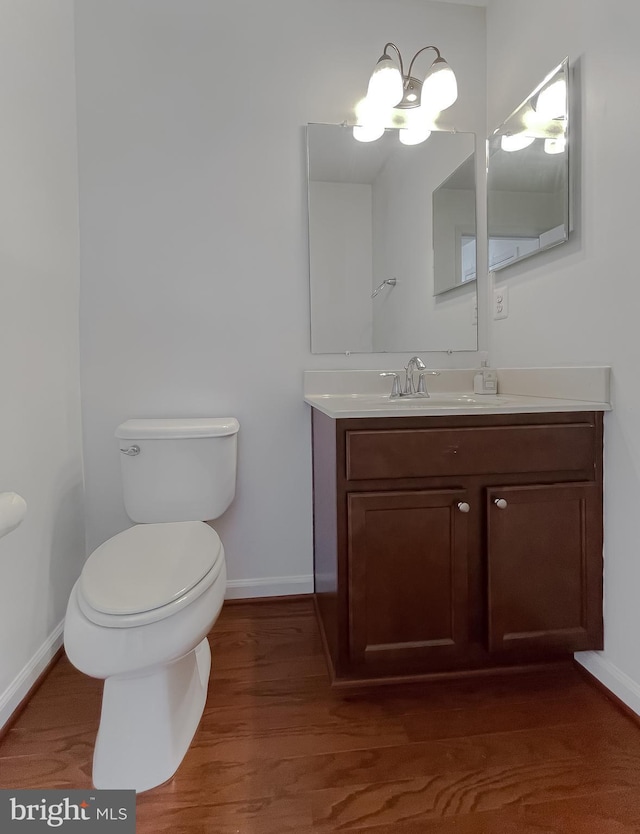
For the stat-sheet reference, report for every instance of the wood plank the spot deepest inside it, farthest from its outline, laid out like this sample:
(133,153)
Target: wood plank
(456,793)
(192,811)
(613,812)
(601,742)
(504,717)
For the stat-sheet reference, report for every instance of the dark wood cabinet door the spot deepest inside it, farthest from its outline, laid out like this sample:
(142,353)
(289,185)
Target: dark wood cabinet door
(544,567)
(407,560)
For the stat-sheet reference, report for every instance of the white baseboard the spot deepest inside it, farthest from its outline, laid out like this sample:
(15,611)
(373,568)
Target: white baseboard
(276,586)
(13,695)
(622,686)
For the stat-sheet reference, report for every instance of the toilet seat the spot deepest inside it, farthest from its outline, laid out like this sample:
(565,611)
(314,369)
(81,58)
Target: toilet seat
(149,572)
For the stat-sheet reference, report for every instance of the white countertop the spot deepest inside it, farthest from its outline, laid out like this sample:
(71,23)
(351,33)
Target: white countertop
(346,394)
(362,405)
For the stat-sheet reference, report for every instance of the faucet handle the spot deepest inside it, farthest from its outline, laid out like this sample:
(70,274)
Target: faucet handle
(422,388)
(395,388)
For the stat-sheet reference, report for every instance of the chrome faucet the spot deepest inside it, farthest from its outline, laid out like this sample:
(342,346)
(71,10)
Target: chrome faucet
(410,389)
(414,363)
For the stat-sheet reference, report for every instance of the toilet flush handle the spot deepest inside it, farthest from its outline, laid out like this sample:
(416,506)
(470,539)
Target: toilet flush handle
(132,450)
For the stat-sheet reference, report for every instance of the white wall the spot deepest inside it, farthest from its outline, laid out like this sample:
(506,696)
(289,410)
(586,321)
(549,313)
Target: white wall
(193,232)
(340,260)
(579,303)
(40,433)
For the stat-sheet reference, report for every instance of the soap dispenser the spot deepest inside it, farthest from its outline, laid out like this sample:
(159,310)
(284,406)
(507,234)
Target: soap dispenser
(485,381)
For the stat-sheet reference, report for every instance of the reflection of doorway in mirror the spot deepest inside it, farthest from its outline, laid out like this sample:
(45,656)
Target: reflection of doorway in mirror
(506,250)
(454,223)
(467,258)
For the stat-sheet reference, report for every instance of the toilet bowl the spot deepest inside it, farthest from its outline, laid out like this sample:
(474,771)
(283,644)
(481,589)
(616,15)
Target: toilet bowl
(139,614)
(155,660)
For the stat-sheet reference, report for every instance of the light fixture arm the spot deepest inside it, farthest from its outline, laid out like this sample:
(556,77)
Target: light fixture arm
(393,46)
(437,58)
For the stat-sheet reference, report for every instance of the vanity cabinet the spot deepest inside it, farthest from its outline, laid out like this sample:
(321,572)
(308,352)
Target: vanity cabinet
(458,543)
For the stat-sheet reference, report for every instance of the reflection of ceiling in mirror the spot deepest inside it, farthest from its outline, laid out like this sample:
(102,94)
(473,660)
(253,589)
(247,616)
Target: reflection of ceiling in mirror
(530,169)
(335,156)
(464,177)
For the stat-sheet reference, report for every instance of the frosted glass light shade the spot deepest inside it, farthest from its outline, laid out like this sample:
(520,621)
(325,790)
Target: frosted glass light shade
(371,120)
(385,85)
(417,130)
(413,137)
(515,141)
(439,88)
(367,133)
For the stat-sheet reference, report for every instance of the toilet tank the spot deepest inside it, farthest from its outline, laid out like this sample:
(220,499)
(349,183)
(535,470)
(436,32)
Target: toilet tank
(178,469)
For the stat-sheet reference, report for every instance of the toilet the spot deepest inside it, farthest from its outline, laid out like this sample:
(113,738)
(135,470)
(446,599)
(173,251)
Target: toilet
(139,614)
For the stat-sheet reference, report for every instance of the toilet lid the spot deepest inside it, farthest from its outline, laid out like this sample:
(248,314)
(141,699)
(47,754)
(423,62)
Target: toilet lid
(149,566)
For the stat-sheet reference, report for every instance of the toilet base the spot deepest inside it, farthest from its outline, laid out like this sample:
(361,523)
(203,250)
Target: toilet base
(148,722)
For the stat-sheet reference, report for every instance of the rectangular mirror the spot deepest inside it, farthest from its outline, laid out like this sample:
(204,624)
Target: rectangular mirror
(528,175)
(391,242)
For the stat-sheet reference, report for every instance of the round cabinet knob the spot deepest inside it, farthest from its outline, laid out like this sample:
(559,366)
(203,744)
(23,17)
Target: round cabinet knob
(500,503)
(463,507)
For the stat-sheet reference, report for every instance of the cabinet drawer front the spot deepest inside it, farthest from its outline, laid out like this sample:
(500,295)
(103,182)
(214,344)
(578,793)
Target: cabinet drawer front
(423,453)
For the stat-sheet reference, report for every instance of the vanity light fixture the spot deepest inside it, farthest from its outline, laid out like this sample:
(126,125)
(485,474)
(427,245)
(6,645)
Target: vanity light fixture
(390,88)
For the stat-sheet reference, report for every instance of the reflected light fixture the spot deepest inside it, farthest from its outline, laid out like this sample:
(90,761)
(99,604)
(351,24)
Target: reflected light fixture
(552,101)
(390,88)
(555,145)
(551,106)
(515,141)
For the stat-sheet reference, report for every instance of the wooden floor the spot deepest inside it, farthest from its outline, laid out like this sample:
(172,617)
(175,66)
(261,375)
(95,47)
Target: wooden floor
(278,751)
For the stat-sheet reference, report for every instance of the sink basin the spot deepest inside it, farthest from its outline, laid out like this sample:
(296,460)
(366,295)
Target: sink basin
(442,400)
(445,400)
